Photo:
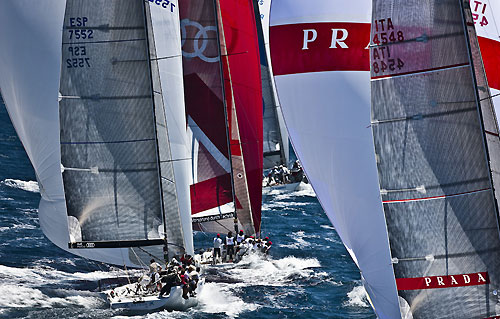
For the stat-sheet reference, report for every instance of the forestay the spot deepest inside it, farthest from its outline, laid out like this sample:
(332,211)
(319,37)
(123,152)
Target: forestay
(320,60)
(432,157)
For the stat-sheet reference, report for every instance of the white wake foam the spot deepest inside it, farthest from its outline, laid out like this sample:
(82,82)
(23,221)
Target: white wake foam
(358,297)
(254,270)
(30,186)
(220,298)
(300,241)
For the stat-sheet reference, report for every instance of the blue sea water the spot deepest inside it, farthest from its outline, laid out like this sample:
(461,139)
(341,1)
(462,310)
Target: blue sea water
(309,274)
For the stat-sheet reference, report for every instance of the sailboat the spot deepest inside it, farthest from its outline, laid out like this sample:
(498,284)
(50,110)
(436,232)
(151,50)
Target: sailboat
(428,251)
(100,111)
(277,150)
(224,110)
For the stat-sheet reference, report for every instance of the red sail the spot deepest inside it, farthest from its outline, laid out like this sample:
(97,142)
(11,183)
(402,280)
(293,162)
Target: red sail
(211,192)
(242,82)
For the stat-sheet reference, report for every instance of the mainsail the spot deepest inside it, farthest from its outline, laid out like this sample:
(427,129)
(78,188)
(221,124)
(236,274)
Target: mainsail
(320,60)
(222,179)
(437,150)
(91,42)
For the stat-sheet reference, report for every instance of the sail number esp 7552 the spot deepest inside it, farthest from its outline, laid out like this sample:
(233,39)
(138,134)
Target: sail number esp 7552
(165,4)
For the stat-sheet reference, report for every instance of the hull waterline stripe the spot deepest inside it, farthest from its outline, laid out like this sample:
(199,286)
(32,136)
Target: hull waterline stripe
(434,197)
(425,71)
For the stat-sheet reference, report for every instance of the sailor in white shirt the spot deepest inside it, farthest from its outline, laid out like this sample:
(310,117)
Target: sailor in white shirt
(217,247)
(230,245)
(240,237)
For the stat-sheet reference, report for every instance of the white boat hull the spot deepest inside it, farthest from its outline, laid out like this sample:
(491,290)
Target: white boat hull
(174,301)
(292,187)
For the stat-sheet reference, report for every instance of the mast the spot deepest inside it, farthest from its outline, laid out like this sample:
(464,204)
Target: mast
(226,122)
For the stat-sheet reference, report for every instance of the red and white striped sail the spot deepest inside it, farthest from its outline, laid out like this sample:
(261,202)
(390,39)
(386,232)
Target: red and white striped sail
(242,83)
(207,67)
(320,61)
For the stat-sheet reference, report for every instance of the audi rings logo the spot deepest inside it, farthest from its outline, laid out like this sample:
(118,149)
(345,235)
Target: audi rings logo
(202,34)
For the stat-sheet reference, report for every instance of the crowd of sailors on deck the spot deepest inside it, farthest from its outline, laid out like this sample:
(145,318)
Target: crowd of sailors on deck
(279,175)
(183,273)
(186,274)
(232,249)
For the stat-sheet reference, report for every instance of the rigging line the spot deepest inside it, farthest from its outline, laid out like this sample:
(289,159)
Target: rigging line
(151,255)
(435,197)
(237,53)
(171,181)
(216,221)
(98,97)
(138,259)
(167,57)
(109,142)
(422,116)
(103,41)
(455,255)
(429,187)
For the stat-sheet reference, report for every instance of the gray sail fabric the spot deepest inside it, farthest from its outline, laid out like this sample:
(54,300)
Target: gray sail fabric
(108,138)
(433,171)
(272,146)
(174,233)
(490,123)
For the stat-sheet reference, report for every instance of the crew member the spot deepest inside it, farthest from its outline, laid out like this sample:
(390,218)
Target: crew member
(240,237)
(230,246)
(217,247)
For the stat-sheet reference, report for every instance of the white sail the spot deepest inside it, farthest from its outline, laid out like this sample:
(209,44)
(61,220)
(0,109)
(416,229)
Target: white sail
(320,61)
(272,108)
(30,61)
(166,27)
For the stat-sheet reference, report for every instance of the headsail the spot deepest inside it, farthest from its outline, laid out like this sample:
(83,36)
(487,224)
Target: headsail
(432,150)
(320,60)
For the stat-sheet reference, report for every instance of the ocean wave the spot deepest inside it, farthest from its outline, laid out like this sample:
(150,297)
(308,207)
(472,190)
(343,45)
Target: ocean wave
(15,296)
(300,241)
(30,186)
(358,297)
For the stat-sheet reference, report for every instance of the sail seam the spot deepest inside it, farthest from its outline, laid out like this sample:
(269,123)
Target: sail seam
(424,71)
